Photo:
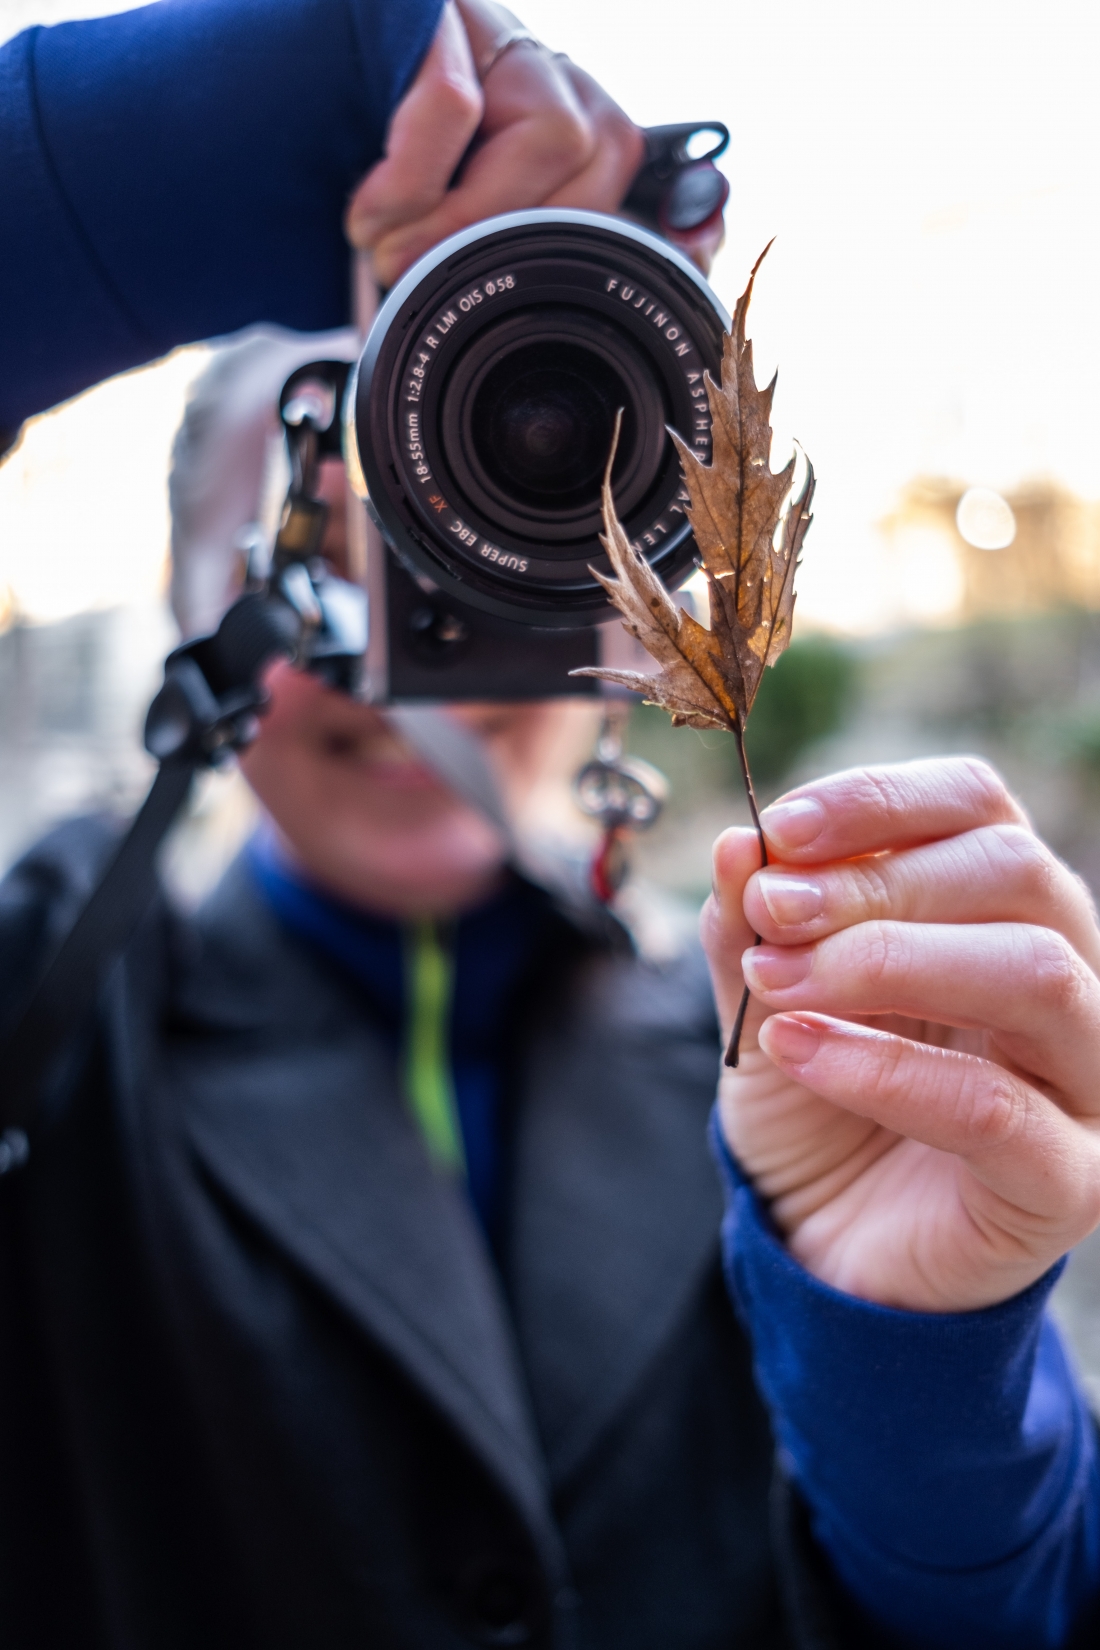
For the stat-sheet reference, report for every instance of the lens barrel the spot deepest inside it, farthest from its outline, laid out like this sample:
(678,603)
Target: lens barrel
(481,413)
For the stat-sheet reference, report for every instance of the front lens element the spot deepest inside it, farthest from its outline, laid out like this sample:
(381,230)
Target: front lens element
(542,425)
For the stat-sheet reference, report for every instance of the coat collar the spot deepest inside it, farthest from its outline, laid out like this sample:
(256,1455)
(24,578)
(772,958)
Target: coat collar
(617,1206)
(291,1102)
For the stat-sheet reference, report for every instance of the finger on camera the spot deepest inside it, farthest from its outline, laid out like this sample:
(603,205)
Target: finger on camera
(430,131)
(619,150)
(518,167)
(1017,1142)
(998,873)
(870,810)
(1026,985)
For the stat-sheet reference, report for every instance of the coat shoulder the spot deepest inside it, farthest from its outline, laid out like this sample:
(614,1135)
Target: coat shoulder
(43,891)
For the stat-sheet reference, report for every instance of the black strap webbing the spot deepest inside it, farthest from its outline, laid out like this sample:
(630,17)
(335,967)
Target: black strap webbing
(67,990)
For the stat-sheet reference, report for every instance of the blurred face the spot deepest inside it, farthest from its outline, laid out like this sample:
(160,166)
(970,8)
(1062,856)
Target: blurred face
(362,814)
(369,821)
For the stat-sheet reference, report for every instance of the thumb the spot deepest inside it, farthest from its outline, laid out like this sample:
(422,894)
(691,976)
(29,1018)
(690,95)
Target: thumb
(724,929)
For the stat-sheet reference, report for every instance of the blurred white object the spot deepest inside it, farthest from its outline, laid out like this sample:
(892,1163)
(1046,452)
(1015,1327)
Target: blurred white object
(985,519)
(228,471)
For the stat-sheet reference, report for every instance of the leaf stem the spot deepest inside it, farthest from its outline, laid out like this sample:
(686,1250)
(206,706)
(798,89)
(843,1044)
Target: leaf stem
(733,1052)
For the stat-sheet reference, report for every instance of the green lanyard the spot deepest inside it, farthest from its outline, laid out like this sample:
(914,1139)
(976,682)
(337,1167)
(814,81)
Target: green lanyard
(429,1085)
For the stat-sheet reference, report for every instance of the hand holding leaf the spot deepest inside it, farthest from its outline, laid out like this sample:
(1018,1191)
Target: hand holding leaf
(749,527)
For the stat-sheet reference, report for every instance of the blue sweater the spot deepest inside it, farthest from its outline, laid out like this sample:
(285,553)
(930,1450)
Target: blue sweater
(181,171)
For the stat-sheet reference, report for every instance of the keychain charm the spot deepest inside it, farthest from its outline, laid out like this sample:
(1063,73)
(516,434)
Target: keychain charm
(623,794)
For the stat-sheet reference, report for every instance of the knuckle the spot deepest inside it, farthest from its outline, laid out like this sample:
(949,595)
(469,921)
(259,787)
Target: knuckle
(567,134)
(884,1073)
(1055,972)
(882,953)
(457,98)
(993,1112)
(987,789)
(617,129)
(881,797)
(876,892)
(1035,869)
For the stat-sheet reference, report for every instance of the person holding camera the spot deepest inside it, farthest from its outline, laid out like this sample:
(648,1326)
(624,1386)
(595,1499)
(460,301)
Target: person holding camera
(365,1281)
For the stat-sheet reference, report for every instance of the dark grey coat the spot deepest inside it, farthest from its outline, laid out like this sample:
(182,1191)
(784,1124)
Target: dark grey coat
(262,1386)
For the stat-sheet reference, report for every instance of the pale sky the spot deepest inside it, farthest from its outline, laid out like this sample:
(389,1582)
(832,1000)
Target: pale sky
(931,174)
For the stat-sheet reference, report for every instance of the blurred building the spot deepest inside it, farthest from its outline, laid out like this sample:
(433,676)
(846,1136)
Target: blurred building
(74,696)
(1051,559)
(70,736)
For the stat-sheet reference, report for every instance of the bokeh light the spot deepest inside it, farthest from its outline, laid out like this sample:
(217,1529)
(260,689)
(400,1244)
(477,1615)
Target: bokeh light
(985,519)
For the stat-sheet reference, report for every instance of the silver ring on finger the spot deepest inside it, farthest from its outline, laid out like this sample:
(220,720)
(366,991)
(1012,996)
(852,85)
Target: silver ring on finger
(504,43)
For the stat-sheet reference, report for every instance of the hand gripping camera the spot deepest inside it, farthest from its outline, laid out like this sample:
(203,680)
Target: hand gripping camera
(475,428)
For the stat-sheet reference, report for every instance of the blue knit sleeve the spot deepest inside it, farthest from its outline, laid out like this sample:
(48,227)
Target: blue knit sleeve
(948,1460)
(181,170)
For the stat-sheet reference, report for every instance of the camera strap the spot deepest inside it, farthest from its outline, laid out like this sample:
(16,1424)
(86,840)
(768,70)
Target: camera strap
(457,756)
(65,994)
(205,710)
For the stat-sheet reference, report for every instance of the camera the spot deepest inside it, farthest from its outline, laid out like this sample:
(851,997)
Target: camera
(478,423)
(475,429)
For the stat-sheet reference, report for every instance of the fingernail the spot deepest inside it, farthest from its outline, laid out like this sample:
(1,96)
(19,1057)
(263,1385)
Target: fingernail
(787,1039)
(790,900)
(793,824)
(768,968)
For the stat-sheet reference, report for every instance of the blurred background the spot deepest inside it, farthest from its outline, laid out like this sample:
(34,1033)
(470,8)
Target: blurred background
(930,172)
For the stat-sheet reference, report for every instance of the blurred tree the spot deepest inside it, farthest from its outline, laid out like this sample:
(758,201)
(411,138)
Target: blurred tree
(803,698)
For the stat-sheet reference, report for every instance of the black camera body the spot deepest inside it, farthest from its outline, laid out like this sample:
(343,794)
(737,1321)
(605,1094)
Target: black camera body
(477,427)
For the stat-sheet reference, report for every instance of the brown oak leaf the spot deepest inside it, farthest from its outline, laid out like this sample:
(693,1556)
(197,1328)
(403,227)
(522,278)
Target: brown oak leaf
(749,529)
(749,525)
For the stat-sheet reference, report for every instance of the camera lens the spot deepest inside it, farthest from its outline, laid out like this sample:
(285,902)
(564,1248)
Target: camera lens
(539,426)
(542,427)
(526,425)
(486,400)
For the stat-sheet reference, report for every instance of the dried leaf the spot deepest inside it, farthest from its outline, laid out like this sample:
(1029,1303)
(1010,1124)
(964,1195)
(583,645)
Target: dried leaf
(691,685)
(749,531)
